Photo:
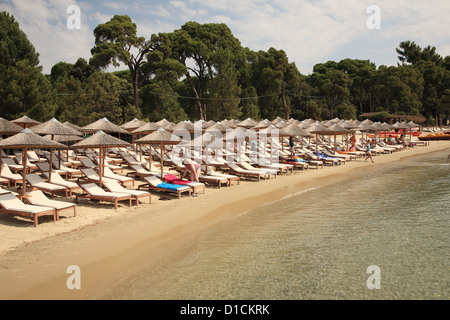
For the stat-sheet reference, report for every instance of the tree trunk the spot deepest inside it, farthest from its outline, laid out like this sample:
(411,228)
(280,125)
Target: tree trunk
(204,112)
(285,106)
(197,98)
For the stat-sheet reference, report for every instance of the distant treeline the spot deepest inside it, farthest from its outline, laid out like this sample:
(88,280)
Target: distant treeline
(201,71)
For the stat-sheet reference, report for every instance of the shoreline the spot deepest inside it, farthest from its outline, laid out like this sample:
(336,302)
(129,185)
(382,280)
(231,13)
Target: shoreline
(115,249)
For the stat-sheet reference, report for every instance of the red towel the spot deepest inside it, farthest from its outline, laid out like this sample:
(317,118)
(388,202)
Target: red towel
(170,178)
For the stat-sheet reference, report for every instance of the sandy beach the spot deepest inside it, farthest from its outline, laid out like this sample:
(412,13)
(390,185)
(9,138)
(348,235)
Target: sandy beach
(114,247)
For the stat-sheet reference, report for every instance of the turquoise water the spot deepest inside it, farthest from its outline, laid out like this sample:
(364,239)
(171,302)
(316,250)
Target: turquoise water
(318,244)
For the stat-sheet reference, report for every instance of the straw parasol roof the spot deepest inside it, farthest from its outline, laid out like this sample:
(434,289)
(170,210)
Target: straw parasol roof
(161,137)
(183,125)
(262,124)
(25,122)
(28,139)
(217,127)
(162,123)
(102,141)
(247,123)
(104,125)
(73,126)
(338,129)
(133,124)
(317,128)
(8,127)
(63,138)
(276,120)
(54,127)
(293,130)
(146,128)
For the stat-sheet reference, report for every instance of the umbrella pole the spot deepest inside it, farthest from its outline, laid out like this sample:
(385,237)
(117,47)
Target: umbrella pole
(162,162)
(50,165)
(24,163)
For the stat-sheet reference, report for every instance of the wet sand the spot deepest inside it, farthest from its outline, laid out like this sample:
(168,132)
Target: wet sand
(114,248)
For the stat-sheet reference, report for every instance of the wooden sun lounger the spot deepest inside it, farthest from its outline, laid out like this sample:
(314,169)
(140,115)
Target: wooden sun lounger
(11,177)
(58,180)
(37,182)
(107,173)
(153,182)
(214,180)
(236,170)
(38,198)
(114,186)
(94,192)
(10,204)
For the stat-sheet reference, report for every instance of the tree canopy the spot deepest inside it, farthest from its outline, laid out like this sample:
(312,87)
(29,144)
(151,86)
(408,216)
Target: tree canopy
(201,71)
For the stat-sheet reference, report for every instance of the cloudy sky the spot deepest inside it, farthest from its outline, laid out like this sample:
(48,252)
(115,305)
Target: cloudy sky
(309,31)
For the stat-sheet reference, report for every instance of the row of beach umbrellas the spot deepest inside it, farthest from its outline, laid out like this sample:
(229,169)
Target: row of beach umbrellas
(26,133)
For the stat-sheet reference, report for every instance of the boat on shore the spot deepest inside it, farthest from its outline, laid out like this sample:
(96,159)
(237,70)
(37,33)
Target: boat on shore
(435,136)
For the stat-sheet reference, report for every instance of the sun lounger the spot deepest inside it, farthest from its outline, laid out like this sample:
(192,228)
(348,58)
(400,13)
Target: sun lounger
(155,184)
(3,191)
(114,186)
(196,186)
(10,204)
(94,192)
(11,177)
(139,171)
(13,166)
(314,157)
(62,167)
(37,182)
(267,171)
(107,173)
(45,167)
(30,165)
(58,180)
(296,163)
(91,176)
(235,169)
(280,167)
(88,163)
(37,198)
(212,172)
(214,180)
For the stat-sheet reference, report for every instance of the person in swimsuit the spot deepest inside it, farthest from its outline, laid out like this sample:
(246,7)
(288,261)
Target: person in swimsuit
(193,168)
(368,152)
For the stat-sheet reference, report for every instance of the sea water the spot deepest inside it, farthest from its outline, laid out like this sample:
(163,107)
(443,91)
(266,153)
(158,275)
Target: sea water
(324,243)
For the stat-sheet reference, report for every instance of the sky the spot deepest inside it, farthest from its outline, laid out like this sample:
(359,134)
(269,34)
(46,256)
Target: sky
(309,31)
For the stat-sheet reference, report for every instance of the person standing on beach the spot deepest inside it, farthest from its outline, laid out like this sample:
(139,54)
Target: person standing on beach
(353,140)
(193,168)
(368,152)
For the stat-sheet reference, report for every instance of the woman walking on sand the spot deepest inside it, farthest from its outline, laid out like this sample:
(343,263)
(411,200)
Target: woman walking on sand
(368,152)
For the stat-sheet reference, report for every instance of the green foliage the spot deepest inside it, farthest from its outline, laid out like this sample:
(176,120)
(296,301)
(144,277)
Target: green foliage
(201,71)
(23,87)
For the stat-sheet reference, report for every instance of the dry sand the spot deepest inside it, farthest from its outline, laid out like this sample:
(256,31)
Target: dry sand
(114,247)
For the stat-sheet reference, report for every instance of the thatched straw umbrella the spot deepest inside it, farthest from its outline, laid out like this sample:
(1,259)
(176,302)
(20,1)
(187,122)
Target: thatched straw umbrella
(103,141)
(8,128)
(54,127)
(163,138)
(133,124)
(28,139)
(318,129)
(336,129)
(104,125)
(163,123)
(73,126)
(147,128)
(25,122)
(247,123)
